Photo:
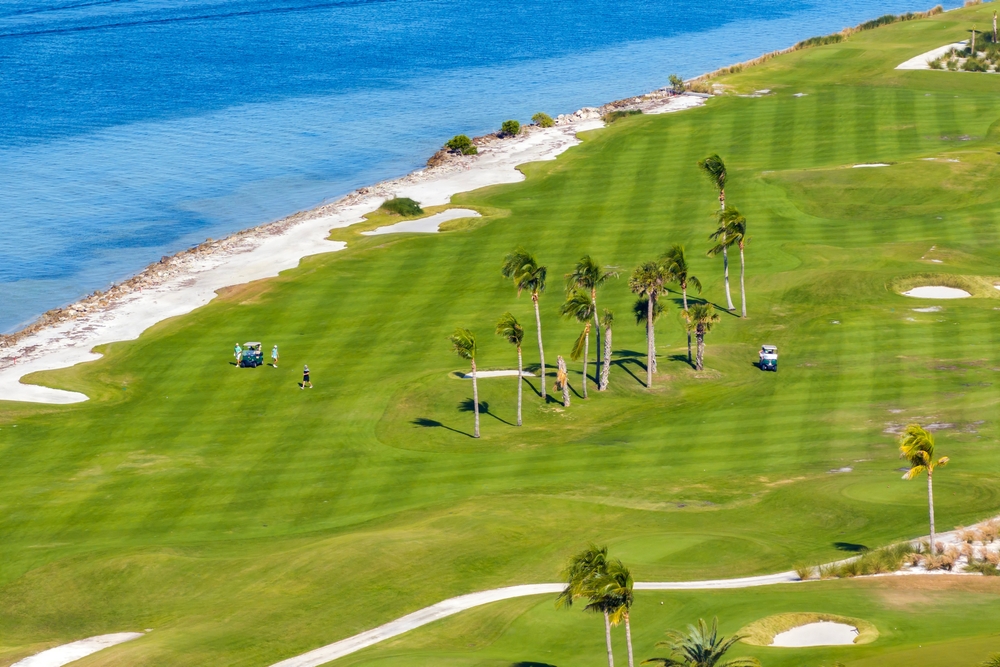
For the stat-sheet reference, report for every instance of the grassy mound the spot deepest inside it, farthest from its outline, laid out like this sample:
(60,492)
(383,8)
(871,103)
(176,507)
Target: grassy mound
(763,631)
(402,206)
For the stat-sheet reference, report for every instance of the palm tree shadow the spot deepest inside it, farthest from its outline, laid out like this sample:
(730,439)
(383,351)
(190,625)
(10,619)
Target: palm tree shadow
(431,423)
(529,663)
(627,357)
(532,368)
(468,405)
(683,358)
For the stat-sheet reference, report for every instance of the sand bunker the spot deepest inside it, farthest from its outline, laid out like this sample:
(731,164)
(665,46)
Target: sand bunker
(923,60)
(67,653)
(937,292)
(428,225)
(822,633)
(868,165)
(496,374)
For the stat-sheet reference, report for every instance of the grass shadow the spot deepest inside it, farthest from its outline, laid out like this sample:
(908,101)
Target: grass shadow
(484,409)
(530,664)
(850,547)
(432,423)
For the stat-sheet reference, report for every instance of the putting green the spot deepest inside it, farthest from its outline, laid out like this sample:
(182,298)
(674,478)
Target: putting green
(246,521)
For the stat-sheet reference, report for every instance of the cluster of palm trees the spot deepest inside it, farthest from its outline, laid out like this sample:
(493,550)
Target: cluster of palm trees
(606,586)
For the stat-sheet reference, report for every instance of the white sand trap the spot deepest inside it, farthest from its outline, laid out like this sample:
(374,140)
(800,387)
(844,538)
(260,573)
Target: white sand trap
(928,309)
(428,225)
(67,653)
(921,61)
(496,374)
(823,633)
(869,165)
(996,287)
(937,292)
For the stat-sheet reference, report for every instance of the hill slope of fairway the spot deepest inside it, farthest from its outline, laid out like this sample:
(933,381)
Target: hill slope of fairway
(246,520)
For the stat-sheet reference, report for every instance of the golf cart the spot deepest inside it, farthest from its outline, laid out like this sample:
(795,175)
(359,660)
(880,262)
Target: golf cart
(253,355)
(769,358)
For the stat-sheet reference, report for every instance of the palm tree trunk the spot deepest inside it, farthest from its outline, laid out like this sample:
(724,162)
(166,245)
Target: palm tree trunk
(930,504)
(701,351)
(520,382)
(563,379)
(586,353)
(597,339)
(649,343)
(725,269)
(541,350)
(606,369)
(607,639)
(684,291)
(652,336)
(628,640)
(475,398)
(743,289)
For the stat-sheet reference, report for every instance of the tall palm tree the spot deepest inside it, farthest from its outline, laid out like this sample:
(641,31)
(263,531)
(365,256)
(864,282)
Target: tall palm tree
(521,267)
(715,169)
(678,272)
(607,321)
(724,238)
(700,319)
(647,281)
(734,233)
(613,593)
(463,343)
(582,572)
(589,275)
(580,306)
(700,647)
(511,330)
(917,446)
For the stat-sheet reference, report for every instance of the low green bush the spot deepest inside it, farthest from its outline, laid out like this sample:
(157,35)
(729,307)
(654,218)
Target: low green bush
(877,561)
(974,65)
(542,120)
(936,64)
(510,128)
(612,116)
(462,144)
(402,206)
(983,567)
(676,84)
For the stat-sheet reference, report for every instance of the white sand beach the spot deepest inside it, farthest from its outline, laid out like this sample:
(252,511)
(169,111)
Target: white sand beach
(190,280)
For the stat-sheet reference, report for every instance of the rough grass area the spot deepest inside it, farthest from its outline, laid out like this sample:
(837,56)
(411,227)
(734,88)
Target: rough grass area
(762,632)
(877,561)
(618,114)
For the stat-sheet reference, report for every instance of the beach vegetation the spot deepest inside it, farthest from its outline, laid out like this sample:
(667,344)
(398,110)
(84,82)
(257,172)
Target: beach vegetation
(461,143)
(700,646)
(676,84)
(511,330)
(463,343)
(542,119)
(510,128)
(618,114)
(402,206)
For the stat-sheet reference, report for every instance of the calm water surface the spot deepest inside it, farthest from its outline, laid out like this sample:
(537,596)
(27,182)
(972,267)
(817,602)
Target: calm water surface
(130,129)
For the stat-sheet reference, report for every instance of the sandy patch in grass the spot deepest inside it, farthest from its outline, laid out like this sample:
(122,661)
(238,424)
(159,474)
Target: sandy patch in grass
(67,653)
(923,60)
(827,629)
(821,633)
(496,374)
(937,292)
(428,225)
(868,165)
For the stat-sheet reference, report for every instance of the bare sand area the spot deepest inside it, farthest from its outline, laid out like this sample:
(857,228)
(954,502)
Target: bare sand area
(821,633)
(922,61)
(496,374)
(179,284)
(937,292)
(67,653)
(428,225)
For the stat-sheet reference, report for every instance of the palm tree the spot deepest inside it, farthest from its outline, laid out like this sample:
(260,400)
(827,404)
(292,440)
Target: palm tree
(613,594)
(700,647)
(511,330)
(715,169)
(917,446)
(562,379)
(735,233)
(647,281)
(606,321)
(463,343)
(678,272)
(588,275)
(521,267)
(583,571)
(700,320)
(580,306)
(724,238)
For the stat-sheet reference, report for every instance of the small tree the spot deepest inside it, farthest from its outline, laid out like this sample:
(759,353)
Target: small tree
(511,330)
(676,84)
(562,379)
(462,144)
(542,120)
(700,319)
(509,128)
(463,343)
(916,445)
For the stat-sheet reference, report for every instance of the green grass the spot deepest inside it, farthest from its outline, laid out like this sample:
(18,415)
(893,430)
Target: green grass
(247,521)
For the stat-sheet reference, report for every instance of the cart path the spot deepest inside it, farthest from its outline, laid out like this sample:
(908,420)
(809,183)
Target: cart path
(67,653)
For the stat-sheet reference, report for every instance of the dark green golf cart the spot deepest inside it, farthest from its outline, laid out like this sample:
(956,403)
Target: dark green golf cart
(253,356)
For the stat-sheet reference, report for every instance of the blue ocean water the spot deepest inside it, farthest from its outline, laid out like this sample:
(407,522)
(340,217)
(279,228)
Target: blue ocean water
(131,129)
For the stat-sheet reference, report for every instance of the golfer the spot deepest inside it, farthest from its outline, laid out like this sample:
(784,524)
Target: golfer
(274,356)
(238,353)
(305,378)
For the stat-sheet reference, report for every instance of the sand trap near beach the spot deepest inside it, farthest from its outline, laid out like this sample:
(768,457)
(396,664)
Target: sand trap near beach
(937,292)
(67,653)
(428,225)
(822,633)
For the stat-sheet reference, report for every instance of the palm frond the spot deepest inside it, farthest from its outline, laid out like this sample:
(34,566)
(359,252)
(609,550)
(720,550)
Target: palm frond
(641,310)
(581,343)
(463,343)
(607,319)
(715,169)
(510,329)
(578,306)
(916,445)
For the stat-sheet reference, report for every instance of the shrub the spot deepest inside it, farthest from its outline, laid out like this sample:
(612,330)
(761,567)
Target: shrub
(462,144)
(618,114)
(401,206)
(542,120)
(805,571)
(983,567)
(876,561)
(974,65)
(936,64)
(989,530)
(676,83)
(509,128)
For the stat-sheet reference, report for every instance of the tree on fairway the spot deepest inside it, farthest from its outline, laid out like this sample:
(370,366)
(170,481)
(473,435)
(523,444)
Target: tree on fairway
(607,321)
(715,169)
(678,272)
(511,330)
(562,379)
(588,275)
(463,343)
(917,446)
(723,237)
(700,319)
(582,573)
(700,647)
(733,231)
(580,306)
(521,267)
(613,593)
(647,281)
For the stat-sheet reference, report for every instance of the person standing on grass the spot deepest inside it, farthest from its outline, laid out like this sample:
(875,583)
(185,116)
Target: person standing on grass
(238,353)
(274,356)
(305,378)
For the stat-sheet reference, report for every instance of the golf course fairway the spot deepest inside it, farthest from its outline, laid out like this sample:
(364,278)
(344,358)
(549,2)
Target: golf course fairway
(243,520)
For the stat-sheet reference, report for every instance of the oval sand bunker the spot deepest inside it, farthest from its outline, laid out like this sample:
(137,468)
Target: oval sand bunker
(937,292)
(822,633)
